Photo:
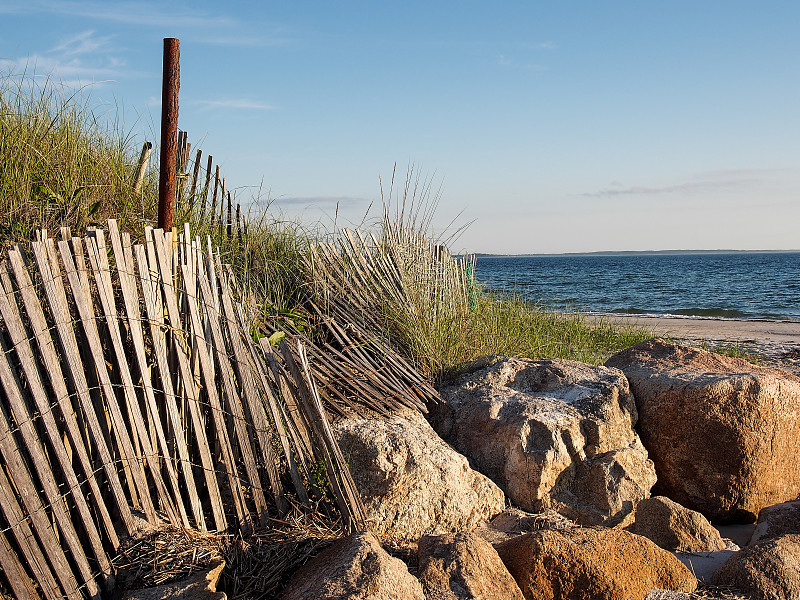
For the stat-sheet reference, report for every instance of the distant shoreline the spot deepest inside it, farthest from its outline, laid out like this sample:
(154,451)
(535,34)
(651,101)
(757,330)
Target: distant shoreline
(635,253)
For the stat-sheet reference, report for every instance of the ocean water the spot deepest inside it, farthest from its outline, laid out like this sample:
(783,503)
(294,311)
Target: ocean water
(720,286)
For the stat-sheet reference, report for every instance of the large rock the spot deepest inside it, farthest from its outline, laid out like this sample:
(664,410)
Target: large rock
(597,563)
(767,570)
(553,434)
(723,433)
(355,568)
(674,527)
(778,519)
(411,481)
(463,566)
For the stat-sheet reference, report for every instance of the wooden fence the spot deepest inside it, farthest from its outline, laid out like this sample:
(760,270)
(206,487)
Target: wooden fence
(130,385)
(203,197)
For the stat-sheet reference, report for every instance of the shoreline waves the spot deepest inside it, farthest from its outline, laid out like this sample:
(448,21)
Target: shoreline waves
(729,286)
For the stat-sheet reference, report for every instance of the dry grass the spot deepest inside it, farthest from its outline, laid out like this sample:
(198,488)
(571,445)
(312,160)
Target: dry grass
(263,564)
(166,555)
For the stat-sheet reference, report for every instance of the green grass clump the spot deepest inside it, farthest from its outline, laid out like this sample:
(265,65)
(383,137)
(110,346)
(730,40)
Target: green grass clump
(511,326)
(62,166)
(492,323)
(434,312)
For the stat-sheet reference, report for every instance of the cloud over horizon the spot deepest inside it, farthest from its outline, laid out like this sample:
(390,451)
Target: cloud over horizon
(617,188)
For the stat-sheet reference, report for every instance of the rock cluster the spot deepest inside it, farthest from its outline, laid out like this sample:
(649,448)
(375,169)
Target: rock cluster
(724,434)
(553,434)
(411,481)
(593,562)
(569,446)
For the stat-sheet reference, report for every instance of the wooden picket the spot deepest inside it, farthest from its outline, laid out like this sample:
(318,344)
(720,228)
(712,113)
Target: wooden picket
(130,385)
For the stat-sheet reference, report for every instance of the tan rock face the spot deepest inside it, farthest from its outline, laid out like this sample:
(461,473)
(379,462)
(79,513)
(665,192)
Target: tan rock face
(354,568)
(411,481)
(776,520)
(597,563)
(768,570)
(673,527)
(463,566)
(724,434)
(553,434)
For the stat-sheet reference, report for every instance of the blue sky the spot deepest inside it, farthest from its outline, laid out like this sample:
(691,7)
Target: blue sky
(556,126)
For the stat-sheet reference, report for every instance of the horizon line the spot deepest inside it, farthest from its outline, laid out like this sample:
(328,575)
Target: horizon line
(632,252)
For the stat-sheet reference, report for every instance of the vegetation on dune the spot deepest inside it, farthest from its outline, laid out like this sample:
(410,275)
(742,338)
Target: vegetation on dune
(62,165)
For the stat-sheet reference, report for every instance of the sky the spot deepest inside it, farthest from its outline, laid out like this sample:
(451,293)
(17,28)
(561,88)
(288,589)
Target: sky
(536,126)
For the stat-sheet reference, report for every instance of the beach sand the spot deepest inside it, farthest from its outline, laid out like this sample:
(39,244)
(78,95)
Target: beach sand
(777,342)
(782,333)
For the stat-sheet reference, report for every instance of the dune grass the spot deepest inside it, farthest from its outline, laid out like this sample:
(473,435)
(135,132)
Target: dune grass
(63,165)
(66,163)
(449,319)
(513,327)
(60,165)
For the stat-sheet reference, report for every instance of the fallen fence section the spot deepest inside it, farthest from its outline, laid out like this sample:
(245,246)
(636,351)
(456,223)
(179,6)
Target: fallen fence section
(130,388)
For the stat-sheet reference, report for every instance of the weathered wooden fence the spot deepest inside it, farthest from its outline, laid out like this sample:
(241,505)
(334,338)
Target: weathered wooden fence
(130,383)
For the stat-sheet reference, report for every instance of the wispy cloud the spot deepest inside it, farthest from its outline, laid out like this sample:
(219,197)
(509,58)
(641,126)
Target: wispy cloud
(694,187)
(82,43)
(507,62)
(320,200)
(217,28)
(234,103)
(82,59)
(130,13)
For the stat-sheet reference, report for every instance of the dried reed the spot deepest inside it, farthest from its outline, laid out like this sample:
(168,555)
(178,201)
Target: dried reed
(166,555)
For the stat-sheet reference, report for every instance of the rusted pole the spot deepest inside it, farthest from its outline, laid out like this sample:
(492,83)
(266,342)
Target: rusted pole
(170,86)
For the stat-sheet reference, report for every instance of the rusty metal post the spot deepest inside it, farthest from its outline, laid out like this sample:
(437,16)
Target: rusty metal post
(170,86)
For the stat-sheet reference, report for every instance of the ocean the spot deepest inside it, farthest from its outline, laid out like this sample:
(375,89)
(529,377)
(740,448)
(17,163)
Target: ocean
(751,285)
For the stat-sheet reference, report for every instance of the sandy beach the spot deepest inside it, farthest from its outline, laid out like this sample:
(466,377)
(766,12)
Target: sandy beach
(778,342)
(781,333)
